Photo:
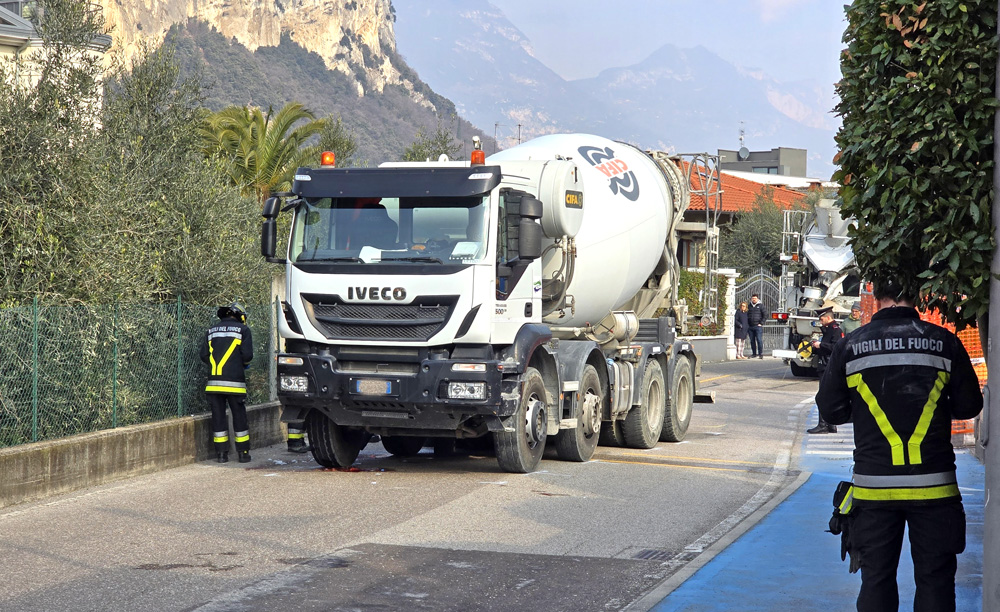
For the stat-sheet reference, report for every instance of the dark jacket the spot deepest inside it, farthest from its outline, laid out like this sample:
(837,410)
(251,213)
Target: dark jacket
(228,349)
(741,325)
(901,380)
(832,334)
(756,314)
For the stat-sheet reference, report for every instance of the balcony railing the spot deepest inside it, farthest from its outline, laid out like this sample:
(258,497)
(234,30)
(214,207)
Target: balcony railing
(26,8)
(22,8)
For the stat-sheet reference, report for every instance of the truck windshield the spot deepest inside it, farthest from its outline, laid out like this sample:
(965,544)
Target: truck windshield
(373,230)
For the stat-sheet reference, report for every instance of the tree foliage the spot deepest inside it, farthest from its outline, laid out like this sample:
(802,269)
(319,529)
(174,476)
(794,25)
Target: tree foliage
(337,138)
(916,160)
(431,147)
(105,195)
(261,151)
(752,241)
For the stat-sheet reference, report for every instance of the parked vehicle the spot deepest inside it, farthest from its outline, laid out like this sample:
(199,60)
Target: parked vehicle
(818,270)
(513,297)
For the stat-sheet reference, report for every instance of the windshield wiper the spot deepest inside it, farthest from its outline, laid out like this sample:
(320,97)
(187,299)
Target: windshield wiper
(350,259)
(419,259)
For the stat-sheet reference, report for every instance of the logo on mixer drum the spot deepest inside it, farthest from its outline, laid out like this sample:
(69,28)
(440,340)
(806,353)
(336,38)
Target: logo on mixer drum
(623,181)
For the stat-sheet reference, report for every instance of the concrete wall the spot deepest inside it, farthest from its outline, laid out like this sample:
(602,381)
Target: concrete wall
(709,348)
(34,471)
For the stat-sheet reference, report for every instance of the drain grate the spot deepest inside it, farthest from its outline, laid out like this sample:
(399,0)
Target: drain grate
(652,554)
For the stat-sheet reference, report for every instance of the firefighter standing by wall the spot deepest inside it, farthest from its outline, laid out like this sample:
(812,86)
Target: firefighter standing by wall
(228,349)
(902,381)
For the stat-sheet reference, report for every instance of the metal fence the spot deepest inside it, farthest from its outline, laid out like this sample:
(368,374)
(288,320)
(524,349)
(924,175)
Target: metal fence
(767,289)
(67,370)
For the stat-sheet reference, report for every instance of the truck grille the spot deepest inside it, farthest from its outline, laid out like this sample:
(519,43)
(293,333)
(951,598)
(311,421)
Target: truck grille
(418,321)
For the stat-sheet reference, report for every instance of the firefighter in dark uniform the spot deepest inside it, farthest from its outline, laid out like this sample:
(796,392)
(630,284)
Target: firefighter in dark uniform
(228,349)
(902,381)
(822,349)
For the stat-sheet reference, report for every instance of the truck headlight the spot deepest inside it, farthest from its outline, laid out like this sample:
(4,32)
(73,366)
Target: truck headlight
(297,384)
(467,390)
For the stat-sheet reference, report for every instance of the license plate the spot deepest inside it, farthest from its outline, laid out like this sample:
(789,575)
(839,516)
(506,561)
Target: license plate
(372,386)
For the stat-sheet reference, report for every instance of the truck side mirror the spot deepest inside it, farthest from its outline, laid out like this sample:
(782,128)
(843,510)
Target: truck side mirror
(271,208)
(529,239)
(269,240)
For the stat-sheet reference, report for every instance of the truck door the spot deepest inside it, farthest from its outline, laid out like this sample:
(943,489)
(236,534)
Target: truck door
(519,286)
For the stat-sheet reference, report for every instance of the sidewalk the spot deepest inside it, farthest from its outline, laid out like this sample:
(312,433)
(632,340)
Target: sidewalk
(788,562)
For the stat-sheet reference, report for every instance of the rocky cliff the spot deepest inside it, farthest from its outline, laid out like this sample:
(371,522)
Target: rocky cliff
(354,37)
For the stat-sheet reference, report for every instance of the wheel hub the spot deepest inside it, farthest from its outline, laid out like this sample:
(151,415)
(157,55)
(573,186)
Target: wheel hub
(590,414)
(535,421)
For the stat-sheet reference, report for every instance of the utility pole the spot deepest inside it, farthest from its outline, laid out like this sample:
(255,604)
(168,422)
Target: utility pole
(989,423)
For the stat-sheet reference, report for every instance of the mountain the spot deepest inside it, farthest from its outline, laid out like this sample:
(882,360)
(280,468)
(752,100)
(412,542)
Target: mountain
(337,57)
(684,100)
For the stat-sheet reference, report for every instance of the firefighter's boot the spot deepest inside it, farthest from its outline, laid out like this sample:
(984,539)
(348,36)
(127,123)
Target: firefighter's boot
(298,445)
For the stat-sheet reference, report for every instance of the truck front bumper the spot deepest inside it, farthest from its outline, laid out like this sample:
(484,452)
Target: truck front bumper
(431,394)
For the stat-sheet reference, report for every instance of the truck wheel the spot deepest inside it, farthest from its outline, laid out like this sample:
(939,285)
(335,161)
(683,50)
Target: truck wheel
(644,422)
(579,443)
(521,450)
(333,445)
(612,434)
(678,414)
(803,371)
(403,446)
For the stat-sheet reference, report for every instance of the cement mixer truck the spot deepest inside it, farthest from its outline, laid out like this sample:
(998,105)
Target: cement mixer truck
(529,297)
(818,271)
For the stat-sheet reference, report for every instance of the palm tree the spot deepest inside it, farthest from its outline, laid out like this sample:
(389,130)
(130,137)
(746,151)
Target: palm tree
(261,152)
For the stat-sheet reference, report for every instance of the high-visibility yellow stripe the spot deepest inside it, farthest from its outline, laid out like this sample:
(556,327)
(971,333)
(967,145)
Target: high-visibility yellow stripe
(296,436)
(895,443)
(220,439)
(217,369)
(848,502)
(925,418)
(906,494)
(242,438)
(233,390)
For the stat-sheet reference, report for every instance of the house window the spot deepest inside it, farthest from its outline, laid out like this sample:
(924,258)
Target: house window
(766,170)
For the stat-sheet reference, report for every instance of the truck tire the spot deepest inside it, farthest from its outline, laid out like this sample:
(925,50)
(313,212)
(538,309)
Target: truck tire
(612,434)
(579,443)
(332,445)
(677,416)
(520,451)
(644,422)
(803,371)
(403,446)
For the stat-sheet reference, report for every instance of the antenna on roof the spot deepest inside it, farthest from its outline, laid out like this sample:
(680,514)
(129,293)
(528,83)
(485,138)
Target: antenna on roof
(744,153)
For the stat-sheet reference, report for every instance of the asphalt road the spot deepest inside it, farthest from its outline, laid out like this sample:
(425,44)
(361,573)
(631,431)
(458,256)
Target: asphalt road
(423,533)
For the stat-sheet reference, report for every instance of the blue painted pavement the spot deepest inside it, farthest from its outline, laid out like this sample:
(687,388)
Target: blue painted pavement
(789,562)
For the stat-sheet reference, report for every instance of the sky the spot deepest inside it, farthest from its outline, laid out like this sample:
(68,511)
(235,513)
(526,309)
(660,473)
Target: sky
(790,40)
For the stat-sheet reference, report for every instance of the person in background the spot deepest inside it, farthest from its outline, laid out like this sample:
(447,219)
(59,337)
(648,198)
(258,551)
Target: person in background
(902,381)
(822,349)
(852,322)
(227,350)
(741,326)
(756,317)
